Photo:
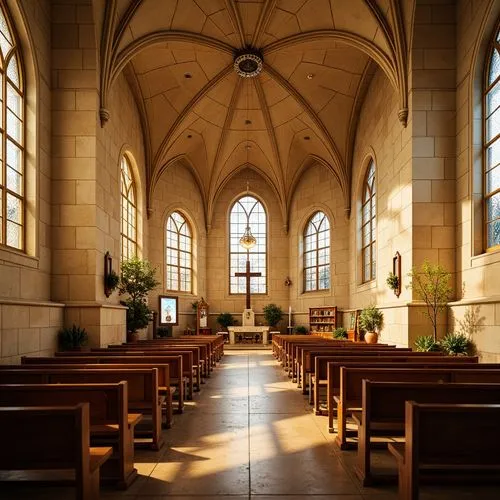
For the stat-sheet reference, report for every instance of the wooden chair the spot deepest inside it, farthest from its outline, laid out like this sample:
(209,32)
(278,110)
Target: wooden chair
(52,438)
(458,441)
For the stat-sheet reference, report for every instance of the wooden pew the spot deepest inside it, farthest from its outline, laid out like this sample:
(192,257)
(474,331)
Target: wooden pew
(139,356)
(111,424)
(383,410)
(174,363)
(474,455)
(52,438)
(331,366)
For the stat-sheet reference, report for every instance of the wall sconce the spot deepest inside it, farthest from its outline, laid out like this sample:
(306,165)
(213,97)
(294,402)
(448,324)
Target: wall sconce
(288,281)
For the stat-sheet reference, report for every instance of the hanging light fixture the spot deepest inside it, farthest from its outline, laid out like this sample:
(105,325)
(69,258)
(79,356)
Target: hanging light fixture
(248,241)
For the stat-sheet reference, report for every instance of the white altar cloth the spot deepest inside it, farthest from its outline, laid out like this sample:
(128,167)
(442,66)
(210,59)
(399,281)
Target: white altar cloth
(263,330)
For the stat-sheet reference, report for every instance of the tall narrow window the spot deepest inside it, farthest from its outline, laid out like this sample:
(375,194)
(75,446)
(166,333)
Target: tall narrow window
(248,211)
(492,145)
(179,254)
(12,174)
(369,225)
(129,211)
(317,253)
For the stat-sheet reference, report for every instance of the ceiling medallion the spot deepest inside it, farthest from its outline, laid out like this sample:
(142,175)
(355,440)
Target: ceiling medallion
(248,64)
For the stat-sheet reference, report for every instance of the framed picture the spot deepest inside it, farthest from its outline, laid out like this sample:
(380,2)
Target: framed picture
(168,310)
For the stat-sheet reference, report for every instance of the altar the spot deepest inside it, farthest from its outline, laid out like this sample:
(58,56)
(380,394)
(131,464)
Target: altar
(235,330)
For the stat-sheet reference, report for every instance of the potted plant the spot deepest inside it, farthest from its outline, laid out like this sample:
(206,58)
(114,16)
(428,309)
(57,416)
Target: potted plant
(72,338)
(431,284)
(371,320)
(272,314)
(340,333)
(225,320)
(300,330)
(111,282)
(457,344)
(137,280)
(426,343)
(162,331)
(392,281)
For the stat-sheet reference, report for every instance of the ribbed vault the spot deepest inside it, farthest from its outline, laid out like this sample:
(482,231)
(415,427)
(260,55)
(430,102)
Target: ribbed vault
(319,56)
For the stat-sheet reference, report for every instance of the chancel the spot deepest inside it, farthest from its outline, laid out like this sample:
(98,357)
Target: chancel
(245,225)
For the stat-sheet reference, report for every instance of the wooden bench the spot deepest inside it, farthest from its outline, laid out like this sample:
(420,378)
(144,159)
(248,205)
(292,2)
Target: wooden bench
(466,446)
(139,356)
(174,363)
(110,422)
(383,411)
(52,438)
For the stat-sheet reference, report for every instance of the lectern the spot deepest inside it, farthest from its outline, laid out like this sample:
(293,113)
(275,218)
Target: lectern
(202,318)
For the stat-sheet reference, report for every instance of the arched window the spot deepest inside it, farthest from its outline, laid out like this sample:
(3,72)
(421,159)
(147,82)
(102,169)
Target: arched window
(317,253)
(492,145)
(12,172)
(129,211)
(369,225)
(247,211)
(179,254)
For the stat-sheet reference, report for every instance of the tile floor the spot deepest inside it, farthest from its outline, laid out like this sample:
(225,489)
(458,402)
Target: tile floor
(250,433)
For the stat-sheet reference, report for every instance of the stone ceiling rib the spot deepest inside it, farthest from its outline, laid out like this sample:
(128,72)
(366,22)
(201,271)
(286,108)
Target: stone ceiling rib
(124,22)
(264,18)
(383,23)
(236,20)
(315,119)
(192,103)
(165,36)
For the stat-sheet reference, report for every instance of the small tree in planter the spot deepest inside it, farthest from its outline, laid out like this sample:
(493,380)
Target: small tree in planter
(72,338)
(300,330)
(340,333)
(137,280)
(431,284)
(371,320)
(272,314)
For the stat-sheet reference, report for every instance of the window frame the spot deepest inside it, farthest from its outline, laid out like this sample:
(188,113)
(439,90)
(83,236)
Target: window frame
(316,250)
(485,144)
(178,250)
(133,188)
(373,217)
(230,253)
(14,52)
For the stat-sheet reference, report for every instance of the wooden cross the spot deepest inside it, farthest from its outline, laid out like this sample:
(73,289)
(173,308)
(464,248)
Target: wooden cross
(248,275)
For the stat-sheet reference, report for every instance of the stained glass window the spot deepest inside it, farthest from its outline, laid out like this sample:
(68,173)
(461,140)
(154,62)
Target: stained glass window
(492,145)
(179,254)
(12,174)
(369,225)
(248,211)
(129,211)
(317,253)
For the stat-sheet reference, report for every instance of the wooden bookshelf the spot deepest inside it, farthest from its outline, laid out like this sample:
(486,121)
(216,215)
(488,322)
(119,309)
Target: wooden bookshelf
(322,319)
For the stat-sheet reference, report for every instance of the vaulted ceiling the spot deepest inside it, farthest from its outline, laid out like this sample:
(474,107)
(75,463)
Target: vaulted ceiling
(318,58)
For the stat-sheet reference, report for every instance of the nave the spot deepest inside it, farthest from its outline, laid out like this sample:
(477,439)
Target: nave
(250,434)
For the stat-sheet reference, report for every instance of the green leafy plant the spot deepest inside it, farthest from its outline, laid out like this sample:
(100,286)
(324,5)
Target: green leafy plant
(162,331)
(137,280)
(426,343)
(340,333)
(225,320)
(456,344)
(194,305)
(72,337)
(272,314)
(392,281)
(371,319)
(112,281)
(431,284)
(300,330)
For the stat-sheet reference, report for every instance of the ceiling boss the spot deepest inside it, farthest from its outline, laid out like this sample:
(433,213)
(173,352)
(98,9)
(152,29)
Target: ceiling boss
(248,63)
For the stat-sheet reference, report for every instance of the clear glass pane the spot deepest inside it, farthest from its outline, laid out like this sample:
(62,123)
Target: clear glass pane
(493,125)
(493,179)
(493,99)
(14,100)
(14,156)
(14,235)
(14,181)
(14,209)
(324,277)
(493,207)
(494,67)
(493,233)
(13,72)
(493,155)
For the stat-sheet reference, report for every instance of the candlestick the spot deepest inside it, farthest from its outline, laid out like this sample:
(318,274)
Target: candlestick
(289,316)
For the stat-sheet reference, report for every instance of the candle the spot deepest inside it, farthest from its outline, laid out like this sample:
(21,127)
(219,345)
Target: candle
(289,316)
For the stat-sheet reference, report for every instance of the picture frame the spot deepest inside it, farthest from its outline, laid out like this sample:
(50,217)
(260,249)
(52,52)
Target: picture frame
(168,310)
